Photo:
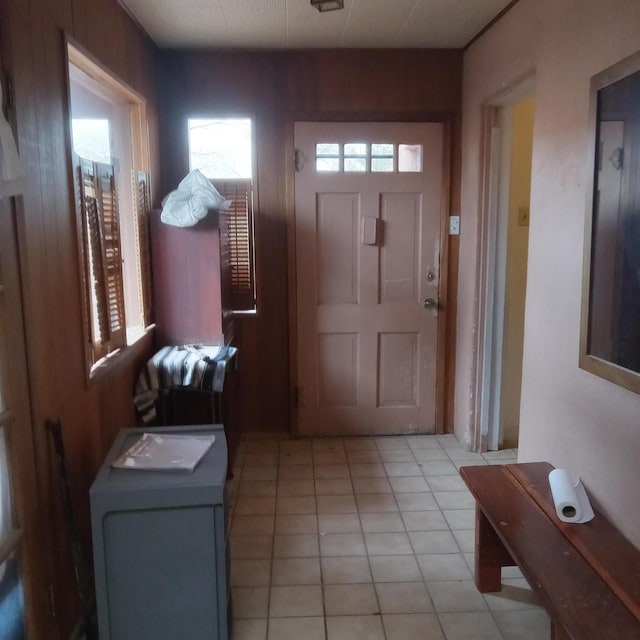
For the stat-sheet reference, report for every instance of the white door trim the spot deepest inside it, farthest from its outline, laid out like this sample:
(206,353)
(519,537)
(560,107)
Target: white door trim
(492,268)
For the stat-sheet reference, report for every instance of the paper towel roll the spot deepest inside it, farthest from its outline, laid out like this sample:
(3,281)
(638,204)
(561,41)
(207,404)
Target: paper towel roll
(571,500)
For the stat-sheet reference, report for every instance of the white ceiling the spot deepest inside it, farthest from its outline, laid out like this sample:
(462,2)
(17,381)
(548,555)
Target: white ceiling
(295,24)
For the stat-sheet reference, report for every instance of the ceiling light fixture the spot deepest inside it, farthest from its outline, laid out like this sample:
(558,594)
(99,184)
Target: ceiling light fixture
(327,5)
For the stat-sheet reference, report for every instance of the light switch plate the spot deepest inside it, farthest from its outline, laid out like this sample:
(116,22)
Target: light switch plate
(454,225)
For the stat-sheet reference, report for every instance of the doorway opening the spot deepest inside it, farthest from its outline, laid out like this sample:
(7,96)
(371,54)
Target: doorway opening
(505,242)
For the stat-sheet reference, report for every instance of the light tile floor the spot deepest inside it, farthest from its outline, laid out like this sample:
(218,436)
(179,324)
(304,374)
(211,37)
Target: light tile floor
(364,538)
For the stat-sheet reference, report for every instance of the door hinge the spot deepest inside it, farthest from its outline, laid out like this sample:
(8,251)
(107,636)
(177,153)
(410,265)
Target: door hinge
(299,160)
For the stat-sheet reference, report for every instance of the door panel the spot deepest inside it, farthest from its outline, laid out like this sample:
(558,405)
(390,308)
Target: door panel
(367,254)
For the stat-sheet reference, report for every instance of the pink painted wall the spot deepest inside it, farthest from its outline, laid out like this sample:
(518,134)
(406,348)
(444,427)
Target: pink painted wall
(569,417)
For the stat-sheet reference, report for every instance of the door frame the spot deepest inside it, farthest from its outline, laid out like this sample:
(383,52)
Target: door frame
(491,267)
(445,364)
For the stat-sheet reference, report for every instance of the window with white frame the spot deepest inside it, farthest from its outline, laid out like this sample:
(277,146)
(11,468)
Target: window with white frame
(110,160)
(222,149)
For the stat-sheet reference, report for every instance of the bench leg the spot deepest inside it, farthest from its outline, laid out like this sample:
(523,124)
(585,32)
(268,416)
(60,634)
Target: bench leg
(490,556)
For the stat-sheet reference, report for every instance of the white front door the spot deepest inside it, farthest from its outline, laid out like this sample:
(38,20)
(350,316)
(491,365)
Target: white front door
(368,200)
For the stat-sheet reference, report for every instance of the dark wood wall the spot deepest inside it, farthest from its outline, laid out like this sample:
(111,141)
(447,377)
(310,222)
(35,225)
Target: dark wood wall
(275,89)
(33,53)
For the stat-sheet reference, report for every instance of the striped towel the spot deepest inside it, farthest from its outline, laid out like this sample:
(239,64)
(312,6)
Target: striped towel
(186,366)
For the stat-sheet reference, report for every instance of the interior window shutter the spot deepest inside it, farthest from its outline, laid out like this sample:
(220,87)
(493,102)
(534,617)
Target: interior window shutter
(142,197)
(240,217)
(111,253)
(102,258)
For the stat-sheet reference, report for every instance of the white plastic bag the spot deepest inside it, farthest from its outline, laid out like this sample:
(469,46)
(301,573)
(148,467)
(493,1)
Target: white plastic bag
(189,203)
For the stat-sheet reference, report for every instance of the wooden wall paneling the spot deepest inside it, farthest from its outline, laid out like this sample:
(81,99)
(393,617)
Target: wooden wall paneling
(47,244)
(278,88)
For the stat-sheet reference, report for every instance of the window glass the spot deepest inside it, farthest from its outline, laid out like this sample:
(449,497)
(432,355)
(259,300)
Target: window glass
(11,601)
(355,156)
(221,147)
(327,156)
(108,127)
(382,157)
(410,158)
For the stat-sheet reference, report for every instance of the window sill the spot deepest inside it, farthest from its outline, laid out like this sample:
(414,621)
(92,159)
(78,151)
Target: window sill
(140,341)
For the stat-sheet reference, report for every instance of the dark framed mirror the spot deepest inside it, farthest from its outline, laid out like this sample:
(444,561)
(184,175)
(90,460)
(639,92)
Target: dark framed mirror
(610,323)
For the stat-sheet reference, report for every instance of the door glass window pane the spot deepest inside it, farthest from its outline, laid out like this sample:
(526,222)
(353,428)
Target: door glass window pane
(11,601)
(381,149)
(355,156)
(382,157)
(382,165)
(327,156)
(410,158)
(355,164)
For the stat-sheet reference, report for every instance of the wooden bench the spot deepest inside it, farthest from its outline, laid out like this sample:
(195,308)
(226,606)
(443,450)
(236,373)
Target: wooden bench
(587,576)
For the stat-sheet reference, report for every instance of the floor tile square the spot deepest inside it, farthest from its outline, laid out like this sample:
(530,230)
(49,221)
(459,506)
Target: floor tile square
(250,629)
(446,483)
(342,544)
(296,571)
(296,487)
(387,544)
(371,485)
(394,569)
(523,625)
(250,573)
(416,501)
(250,602)
(381,522)
(251,546)
(346,570)
(334,487)
(469,626)
(444,566)
(264,459)
(289,505)
(456,596)
(296,546)
(338,523)
(424,521)
(259,473)
(294,601)
(363,457)
(454,500)
(433,542)
(296,472)
(422,626)
(329,457)
(359,444)
(466,539)
(262,446)
(515,595)
(296,524)
(460,518)
(354,628)
(256,489)
(431,455)
(368,470)
(311,628)
(397,455)
(255,506)
(391,442)
(331,470)
(403,597)
(327,444)
(336,504)
(423,442)
(350,599)
(438,468)
(295,458)
(409,484)
(252,525)
(376,503)
(402,469)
